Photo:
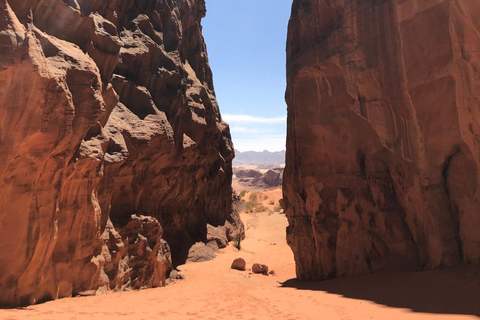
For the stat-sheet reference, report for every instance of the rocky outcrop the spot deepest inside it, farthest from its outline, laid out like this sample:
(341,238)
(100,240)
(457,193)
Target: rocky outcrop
(273,177)
(135,256)
(254,178)
(112,147)
(248,173)
(383,147)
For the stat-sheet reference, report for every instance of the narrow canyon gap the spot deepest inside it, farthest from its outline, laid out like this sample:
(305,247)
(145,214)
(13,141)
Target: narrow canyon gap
(383,145)
(114,157)
(112,147)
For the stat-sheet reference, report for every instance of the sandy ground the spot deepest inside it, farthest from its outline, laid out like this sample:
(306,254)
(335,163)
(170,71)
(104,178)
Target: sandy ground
(211,290)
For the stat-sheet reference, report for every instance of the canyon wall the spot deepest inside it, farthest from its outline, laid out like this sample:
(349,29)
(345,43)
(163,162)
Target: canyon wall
(383,143)
(112,147)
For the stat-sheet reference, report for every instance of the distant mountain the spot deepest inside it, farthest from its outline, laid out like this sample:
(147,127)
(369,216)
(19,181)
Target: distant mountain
(261,159)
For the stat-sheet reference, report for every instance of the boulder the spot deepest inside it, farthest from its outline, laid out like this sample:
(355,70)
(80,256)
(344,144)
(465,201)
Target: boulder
(260,268)
(217,234)
(239,264)
(200,252)
(235,228)
(135,254)
(214,245)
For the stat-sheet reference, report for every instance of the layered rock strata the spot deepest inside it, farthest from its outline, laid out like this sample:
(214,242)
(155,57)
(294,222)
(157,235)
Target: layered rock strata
(112,147)
(383,146)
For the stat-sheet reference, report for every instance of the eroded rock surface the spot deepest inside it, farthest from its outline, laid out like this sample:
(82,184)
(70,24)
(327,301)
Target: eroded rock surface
(383,146)
(112,147)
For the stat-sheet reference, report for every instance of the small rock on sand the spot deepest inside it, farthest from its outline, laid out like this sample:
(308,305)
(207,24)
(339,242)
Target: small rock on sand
(260,268)
(239,264)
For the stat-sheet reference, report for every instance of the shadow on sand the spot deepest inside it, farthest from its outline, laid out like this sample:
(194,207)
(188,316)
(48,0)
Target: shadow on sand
(455,291)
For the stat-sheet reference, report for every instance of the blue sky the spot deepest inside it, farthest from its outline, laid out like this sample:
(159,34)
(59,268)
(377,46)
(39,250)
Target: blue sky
(246,47)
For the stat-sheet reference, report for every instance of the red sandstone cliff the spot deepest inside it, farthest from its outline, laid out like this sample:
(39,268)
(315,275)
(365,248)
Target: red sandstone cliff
(383,146)
(112,147)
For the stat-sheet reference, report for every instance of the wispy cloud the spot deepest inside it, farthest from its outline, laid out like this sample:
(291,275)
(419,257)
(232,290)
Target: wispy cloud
(244,118)
(267,142)
(248,130)
(257,133)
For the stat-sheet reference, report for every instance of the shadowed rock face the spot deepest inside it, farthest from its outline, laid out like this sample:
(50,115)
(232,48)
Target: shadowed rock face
(383,146)
(111,143)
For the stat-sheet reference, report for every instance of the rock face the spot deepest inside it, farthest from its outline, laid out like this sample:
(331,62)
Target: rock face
(112,147)
(383,146)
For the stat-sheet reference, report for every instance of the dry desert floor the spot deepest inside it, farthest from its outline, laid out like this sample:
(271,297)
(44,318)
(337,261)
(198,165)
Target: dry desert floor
(211,290)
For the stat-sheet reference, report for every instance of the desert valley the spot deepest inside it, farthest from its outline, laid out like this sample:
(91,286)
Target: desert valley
(122,196)
(213,290)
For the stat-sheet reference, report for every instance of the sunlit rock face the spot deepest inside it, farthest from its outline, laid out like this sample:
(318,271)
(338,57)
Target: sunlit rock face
(383,146)
(112,147)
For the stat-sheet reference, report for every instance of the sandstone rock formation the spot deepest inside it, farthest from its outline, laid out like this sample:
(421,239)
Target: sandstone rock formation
(273,177)
(112,147)
(248,173)
(383,146)
(254,178)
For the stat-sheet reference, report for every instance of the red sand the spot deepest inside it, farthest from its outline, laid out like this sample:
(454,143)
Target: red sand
(212,290)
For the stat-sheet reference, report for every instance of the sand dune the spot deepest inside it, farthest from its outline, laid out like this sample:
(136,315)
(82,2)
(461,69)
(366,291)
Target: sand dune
(213,291)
